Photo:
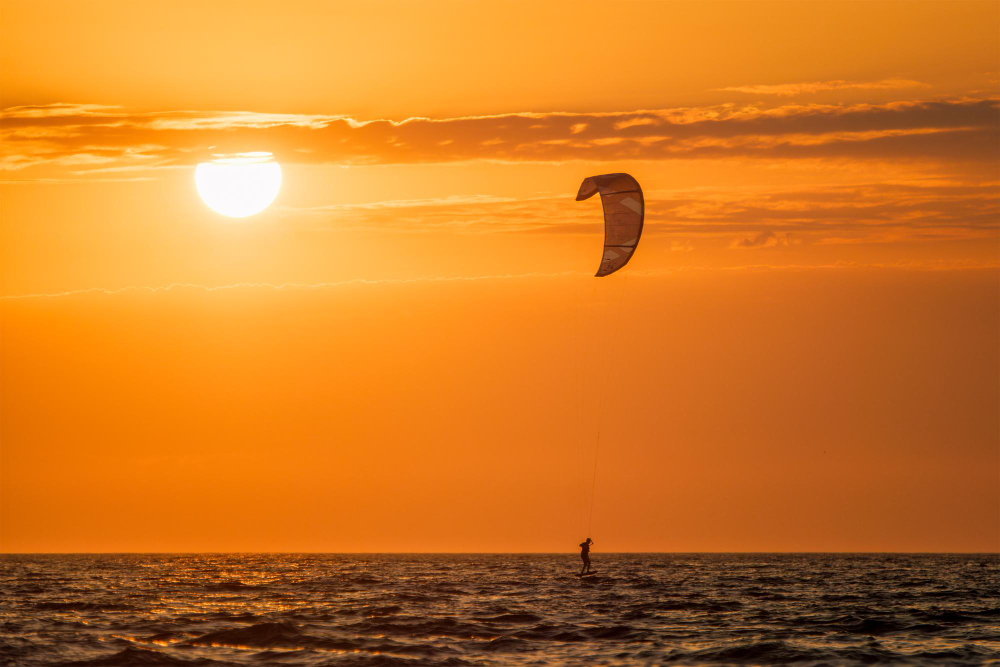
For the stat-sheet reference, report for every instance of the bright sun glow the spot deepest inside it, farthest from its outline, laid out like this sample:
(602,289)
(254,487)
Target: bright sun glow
(239,185)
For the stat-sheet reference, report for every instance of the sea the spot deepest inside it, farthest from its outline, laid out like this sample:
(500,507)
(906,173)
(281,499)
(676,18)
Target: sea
(499,609)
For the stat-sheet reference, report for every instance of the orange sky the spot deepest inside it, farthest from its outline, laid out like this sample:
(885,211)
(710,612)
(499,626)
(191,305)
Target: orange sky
(408,352)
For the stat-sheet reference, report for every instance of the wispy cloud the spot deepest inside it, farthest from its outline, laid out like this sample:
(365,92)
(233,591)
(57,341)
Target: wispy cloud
(743,217)
(909,265)
(66,181)
(354,282)
(763,240)
(792,89)
(915,210)
(80,137)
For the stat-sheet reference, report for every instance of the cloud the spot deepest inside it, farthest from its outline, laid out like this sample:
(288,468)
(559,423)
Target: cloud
(57,110)
(918,210)
(791,89)
(907,265)
(914,211)
(354,282)
(468,213)
(82,138)
(762,240)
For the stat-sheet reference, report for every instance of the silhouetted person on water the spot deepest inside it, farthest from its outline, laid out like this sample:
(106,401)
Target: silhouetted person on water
(585,555)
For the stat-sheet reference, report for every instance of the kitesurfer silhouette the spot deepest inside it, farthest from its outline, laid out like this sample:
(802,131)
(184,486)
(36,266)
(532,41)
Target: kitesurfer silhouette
(585,555)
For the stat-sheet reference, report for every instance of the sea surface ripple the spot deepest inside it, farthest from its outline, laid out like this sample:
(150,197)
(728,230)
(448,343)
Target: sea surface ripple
(378,609)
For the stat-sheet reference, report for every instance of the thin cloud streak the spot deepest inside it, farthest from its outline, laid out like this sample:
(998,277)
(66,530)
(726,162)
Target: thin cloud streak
(791,89)
(961,129)
(871,212)
(288,286)
(929,265)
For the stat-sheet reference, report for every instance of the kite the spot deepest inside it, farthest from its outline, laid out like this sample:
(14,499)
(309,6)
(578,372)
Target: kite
(624,209)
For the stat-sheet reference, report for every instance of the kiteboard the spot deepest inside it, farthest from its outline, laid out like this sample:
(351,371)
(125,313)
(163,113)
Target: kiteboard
(587,574)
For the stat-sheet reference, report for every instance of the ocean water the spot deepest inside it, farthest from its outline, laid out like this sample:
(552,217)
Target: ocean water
(318,609)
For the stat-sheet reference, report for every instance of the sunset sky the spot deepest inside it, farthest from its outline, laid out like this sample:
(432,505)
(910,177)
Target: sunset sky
(408,351)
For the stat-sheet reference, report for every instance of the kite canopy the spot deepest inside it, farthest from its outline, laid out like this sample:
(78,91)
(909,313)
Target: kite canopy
(624,208)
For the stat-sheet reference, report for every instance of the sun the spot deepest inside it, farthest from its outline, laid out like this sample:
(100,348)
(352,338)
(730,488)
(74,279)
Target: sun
(238,185)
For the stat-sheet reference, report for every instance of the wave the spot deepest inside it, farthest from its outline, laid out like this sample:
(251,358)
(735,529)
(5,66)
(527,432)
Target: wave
(725,605)
(28,590)
(875,626)
(383,611)
(780,652)
(622,632)
(15,647)
(134,656)
(82,606)
(508,644)
(766,652)
(420,627)
(316,609)
(245,617)
(287,636)
(511,618)
(363,660)
(574,633)
(230,586)
(267,635)
(957,617)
